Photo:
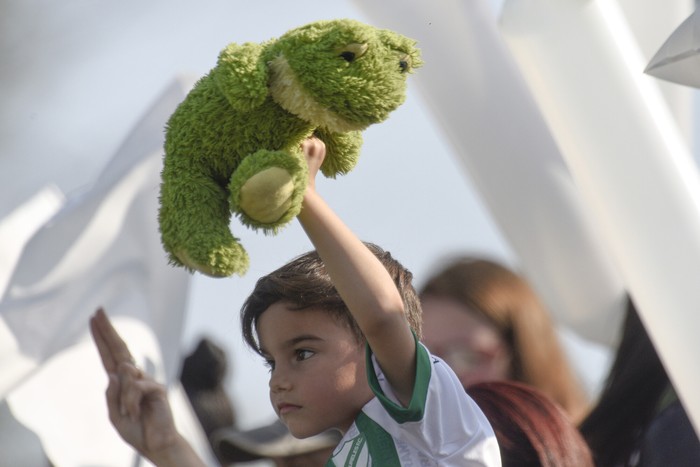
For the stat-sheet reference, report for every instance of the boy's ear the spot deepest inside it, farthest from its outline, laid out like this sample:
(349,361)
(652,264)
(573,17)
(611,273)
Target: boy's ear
(241,75)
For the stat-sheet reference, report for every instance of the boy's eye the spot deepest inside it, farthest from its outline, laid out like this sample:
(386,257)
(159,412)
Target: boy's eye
(270,364)
(303,354)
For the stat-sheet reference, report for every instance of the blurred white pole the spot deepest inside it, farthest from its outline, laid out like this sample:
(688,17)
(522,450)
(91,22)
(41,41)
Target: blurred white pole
(476,94)
(628,160)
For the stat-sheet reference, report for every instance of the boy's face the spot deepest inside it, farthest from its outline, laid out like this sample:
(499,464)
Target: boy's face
(318,380)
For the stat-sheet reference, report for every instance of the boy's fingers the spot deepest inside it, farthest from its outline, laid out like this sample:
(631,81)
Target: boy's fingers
(108,362)
(113,349)
(313,146)
(113,398)
(131,391)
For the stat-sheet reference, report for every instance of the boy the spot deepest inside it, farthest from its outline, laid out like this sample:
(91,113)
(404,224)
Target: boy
(334,329)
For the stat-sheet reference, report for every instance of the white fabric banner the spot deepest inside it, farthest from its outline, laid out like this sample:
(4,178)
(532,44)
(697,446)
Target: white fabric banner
(628,159)
(477,95)
(21,224)
(102,248)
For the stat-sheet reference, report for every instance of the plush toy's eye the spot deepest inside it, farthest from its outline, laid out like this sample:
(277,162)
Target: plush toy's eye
(348,56)
(351,52)
(405,63)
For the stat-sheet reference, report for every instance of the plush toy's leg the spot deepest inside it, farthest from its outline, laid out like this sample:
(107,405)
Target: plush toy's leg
(194,221)
(342,151)
(267,189)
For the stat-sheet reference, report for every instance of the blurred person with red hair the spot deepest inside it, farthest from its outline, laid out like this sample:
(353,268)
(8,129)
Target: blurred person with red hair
(531,429)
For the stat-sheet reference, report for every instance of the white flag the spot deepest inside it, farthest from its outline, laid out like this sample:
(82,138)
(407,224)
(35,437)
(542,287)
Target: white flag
(478,97)
(101,249)
(629,160)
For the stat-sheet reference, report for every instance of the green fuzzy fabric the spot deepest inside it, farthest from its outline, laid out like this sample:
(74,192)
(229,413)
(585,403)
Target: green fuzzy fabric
(246,119)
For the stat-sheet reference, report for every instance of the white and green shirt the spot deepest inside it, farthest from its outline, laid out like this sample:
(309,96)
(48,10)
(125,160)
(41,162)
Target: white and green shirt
(442,426)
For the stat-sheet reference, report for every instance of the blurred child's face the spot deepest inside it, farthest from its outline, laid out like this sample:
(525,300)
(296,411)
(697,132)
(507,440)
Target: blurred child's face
(317,379)
(467,341)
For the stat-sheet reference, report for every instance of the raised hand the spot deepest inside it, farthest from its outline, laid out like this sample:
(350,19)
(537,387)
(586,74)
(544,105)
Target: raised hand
(315,152)
(138,405)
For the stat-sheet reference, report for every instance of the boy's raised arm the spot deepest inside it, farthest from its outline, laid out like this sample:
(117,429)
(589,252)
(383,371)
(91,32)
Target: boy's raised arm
(362,281)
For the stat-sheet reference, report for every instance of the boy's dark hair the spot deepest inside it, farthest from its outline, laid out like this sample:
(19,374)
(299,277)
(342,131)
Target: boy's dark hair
(304,283)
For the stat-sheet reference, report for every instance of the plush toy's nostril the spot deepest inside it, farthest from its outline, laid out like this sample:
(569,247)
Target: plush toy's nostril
(405,63)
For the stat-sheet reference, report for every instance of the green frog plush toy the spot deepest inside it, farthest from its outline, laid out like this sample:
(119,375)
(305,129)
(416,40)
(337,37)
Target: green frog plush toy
(233,144)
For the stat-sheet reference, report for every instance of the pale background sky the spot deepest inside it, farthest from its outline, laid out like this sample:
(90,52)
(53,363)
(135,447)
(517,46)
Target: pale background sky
(78,74)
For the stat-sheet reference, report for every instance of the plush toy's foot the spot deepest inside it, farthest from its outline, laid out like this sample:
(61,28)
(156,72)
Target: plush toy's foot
(222,261)
(267,189)
(267,195)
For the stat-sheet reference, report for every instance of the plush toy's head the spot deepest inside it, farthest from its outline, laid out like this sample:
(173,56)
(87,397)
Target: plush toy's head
(342,74)
(233,144)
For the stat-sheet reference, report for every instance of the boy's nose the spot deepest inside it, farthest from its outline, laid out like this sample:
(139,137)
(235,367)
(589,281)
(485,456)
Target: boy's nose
(279,381)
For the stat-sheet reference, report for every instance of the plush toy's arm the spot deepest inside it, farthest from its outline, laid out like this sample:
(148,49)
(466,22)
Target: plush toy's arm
(242,76)
(342,151)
